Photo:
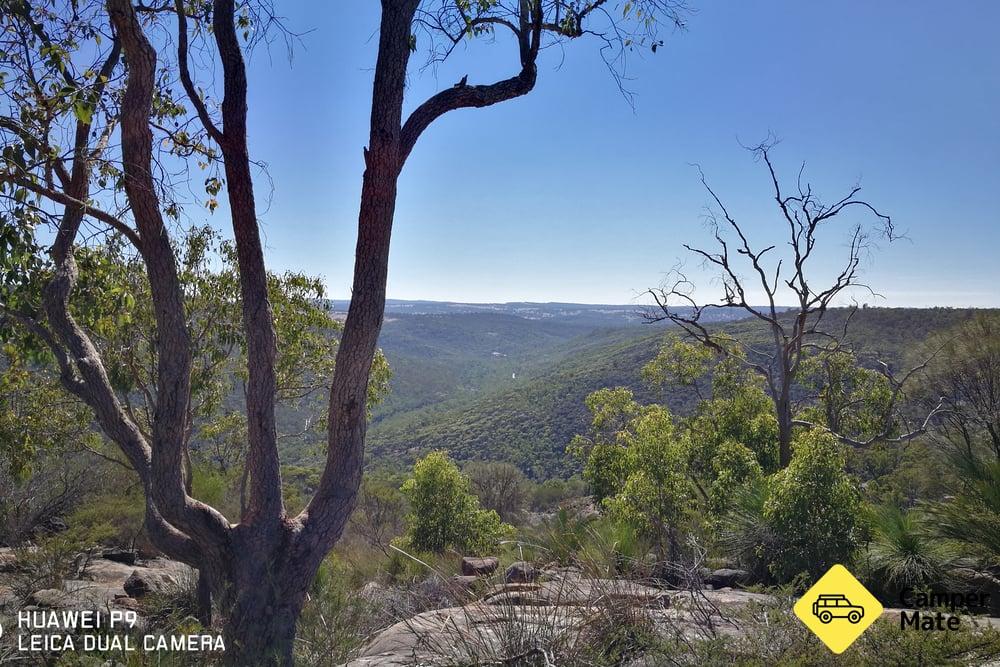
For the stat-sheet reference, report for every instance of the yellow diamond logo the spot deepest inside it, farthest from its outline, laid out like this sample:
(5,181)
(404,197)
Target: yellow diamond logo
(838,609)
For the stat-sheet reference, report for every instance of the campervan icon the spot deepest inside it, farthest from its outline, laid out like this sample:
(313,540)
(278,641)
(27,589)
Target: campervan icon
(828,607)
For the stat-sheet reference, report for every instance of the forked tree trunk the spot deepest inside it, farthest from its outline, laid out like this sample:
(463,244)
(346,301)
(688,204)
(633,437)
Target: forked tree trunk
(260,626)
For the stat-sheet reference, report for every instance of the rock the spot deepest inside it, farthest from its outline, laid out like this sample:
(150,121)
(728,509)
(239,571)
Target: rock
(145,581)
(577,592)
(126,602)
(126,556)
(521,572)
(727,578)
(555,571)
(464,582)
(51,598)
(479,566)
(8,559)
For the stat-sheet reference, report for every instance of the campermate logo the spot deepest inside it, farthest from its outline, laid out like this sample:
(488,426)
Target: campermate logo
(838,608)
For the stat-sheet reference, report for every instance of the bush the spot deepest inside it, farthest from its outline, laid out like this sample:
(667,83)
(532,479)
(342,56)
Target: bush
(500,487)
(813,507)
(552,492)
(52,560)
(655,495)
(379,514)
(905,553)
(444,514)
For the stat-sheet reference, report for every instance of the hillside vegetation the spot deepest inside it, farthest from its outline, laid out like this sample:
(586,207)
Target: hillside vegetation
(529,421)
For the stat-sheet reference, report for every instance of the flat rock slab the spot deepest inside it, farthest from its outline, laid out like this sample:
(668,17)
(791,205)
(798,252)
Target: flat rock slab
(576,592)
(543,613)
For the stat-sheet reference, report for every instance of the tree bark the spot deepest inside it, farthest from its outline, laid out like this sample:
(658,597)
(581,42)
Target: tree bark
(263,606)
(784,414)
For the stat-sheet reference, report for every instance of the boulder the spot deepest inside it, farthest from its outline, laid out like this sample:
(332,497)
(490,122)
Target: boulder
(144,581)
(125,556)
(479,566)
(51,598)
(520,572)
(8,559)
(727,578)
(464,582)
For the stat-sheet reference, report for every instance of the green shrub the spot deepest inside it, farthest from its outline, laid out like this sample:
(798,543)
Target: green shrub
(904,552)
(813,508)
(444,514)
(656,493)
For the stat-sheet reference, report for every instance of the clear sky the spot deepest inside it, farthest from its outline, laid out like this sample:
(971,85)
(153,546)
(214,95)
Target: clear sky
(570,195)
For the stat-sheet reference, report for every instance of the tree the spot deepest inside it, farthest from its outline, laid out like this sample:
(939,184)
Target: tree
(444,514)
(602,452)
(795,333)
(75,77)
(500,486)
(655,494)
(812,508)
(731,438)
(966,376)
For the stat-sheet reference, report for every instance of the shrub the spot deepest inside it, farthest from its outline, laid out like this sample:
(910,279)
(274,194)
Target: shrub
(813,507)
(52,560)
(744,534)
(656,492)
(444,513)
(905,553)
(379,514)
(550,493)
(500,487)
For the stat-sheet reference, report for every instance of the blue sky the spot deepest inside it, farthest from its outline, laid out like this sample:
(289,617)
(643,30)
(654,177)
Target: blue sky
(569,194)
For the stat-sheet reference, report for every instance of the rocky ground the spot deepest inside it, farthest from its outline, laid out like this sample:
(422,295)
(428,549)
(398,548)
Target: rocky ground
(493,613)
(100,581)
(558,607)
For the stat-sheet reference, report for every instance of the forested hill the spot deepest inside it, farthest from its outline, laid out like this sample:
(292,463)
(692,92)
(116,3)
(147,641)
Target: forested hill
(524,407)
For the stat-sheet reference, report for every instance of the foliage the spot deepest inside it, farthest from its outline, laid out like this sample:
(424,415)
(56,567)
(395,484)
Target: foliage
(60,482)
(972,516)
(444,514)
(379,513)
(112,301)
(605,464)
(850,399)
(53,559)
(744,533)
(965,375)
(732,436)
(656,493)
(813,507)
(528,422)
(336,621)
(35,414)
(771,635)
(905,552)
(500,487)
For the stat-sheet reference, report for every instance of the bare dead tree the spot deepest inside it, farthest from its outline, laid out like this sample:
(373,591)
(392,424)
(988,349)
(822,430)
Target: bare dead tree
(62,168)
(799,330)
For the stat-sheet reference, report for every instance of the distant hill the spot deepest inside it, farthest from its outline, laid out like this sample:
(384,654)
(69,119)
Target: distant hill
(529,419)
(583,314)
